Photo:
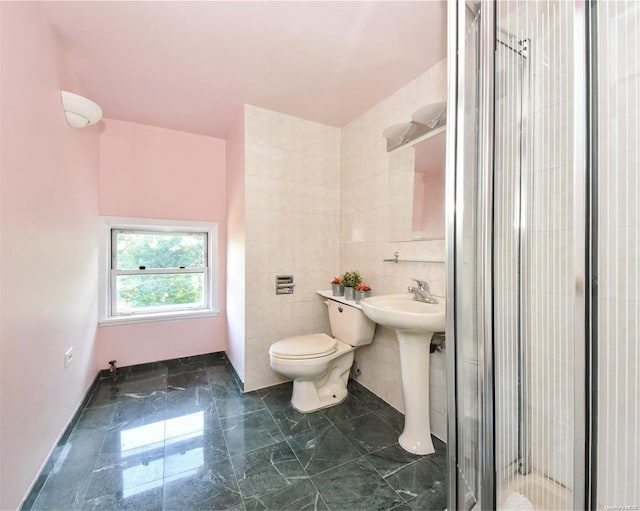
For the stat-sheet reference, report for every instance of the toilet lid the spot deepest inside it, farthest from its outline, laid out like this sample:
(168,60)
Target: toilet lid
(304,346)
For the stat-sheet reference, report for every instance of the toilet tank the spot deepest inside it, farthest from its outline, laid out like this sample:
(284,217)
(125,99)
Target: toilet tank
(349,324)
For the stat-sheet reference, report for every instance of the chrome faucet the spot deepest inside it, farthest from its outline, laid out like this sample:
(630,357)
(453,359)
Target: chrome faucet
(422,293)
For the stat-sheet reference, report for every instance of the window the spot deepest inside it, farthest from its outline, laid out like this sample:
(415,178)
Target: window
(157,269)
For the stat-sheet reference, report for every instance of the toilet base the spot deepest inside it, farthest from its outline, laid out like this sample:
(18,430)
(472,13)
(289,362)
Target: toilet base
(328,390)
(306,397)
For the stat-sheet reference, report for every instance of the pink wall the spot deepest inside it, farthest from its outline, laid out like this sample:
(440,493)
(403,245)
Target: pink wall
(153,172)
(49,258)
(236,245)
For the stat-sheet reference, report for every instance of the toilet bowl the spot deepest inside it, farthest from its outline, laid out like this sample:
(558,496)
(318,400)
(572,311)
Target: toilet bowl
(319,364)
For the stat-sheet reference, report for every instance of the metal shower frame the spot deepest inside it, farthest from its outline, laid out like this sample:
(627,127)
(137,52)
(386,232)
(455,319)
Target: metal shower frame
(584,249)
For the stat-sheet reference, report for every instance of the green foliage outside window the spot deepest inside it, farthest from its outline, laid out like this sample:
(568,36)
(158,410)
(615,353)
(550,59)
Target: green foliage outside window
(159,290)
(159,251)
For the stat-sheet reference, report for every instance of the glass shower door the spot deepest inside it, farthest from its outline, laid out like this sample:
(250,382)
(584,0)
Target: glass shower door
(462,189)
(535,234)
(543,268)
(516,270)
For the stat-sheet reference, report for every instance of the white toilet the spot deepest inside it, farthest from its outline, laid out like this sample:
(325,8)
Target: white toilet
(318,364)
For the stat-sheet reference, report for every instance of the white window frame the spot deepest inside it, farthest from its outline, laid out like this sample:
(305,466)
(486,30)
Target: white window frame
(107,276)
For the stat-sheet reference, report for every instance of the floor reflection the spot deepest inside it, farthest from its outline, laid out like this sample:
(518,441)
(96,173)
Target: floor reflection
(151,439)
(192,440)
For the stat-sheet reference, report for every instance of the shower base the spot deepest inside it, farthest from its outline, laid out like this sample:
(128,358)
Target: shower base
(543,493)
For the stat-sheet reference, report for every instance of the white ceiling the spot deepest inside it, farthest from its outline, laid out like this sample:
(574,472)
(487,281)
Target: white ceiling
(191,66)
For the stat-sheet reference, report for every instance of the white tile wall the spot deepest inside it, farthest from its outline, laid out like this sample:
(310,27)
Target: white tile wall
(317,204)
(364,206)
(292,181)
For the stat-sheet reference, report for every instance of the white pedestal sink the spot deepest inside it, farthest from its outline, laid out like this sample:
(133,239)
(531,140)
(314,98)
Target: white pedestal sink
(414,323)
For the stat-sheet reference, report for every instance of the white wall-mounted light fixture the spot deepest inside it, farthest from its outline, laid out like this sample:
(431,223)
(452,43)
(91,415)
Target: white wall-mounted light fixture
(424,120)
(431,115)
(79,110)
(400,133)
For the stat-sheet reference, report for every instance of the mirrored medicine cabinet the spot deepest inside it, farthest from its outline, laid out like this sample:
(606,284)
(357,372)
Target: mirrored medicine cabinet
(417,189)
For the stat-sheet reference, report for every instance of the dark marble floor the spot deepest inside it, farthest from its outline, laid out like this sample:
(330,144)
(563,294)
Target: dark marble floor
(180,435)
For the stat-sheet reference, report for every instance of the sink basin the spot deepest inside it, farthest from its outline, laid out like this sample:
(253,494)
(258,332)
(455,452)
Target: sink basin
(414,323)
(402,312)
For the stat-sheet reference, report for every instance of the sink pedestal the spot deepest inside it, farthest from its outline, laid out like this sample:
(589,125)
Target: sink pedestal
(414,362)
(414,323)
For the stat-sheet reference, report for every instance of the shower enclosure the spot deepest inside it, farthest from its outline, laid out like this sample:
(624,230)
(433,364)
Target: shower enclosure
(543,238)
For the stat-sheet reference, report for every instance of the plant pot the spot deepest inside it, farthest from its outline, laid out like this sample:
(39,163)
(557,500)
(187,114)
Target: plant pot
(361,295)
(337,289)
(349,293)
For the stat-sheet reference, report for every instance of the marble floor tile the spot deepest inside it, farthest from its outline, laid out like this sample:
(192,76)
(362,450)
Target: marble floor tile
(366,397)
(267,471)
(144,369)
(143,410)
(140,385)
(350,408)
(277,397)
(70,471)
(147,500)
(64,490)
(417,478)
(107,393)
(221,375)
(392,418)
(178,365)
(157,372)
(208,489)
(302,496)
(291,421)
(181,435)
(120,476)
(188,409)
(99,417)
(245,433)
(433,498)
(81,449)
(391,459)
(193,377)
(195,454)
(404,507)
(322,449)
(356,486)
(129,438)
(440,456)
(72,463)
(368,433)
(231,401)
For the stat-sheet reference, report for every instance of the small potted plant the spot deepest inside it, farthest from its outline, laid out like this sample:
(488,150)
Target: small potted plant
(362,291)
(336,287)
(350,280)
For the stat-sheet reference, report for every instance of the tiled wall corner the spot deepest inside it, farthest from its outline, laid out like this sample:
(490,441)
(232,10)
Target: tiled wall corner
(292,179)
(364,207)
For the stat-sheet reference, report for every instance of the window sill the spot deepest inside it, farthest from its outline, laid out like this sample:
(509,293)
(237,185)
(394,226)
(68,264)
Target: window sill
(158,316)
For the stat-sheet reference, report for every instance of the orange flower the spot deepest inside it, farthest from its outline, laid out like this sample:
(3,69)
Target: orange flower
(336,280)
(363,287)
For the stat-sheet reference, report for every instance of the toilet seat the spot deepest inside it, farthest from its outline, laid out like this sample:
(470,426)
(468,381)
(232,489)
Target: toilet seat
(304,347)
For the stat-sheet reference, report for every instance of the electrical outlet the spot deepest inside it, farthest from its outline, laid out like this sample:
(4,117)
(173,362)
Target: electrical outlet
(68,357)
